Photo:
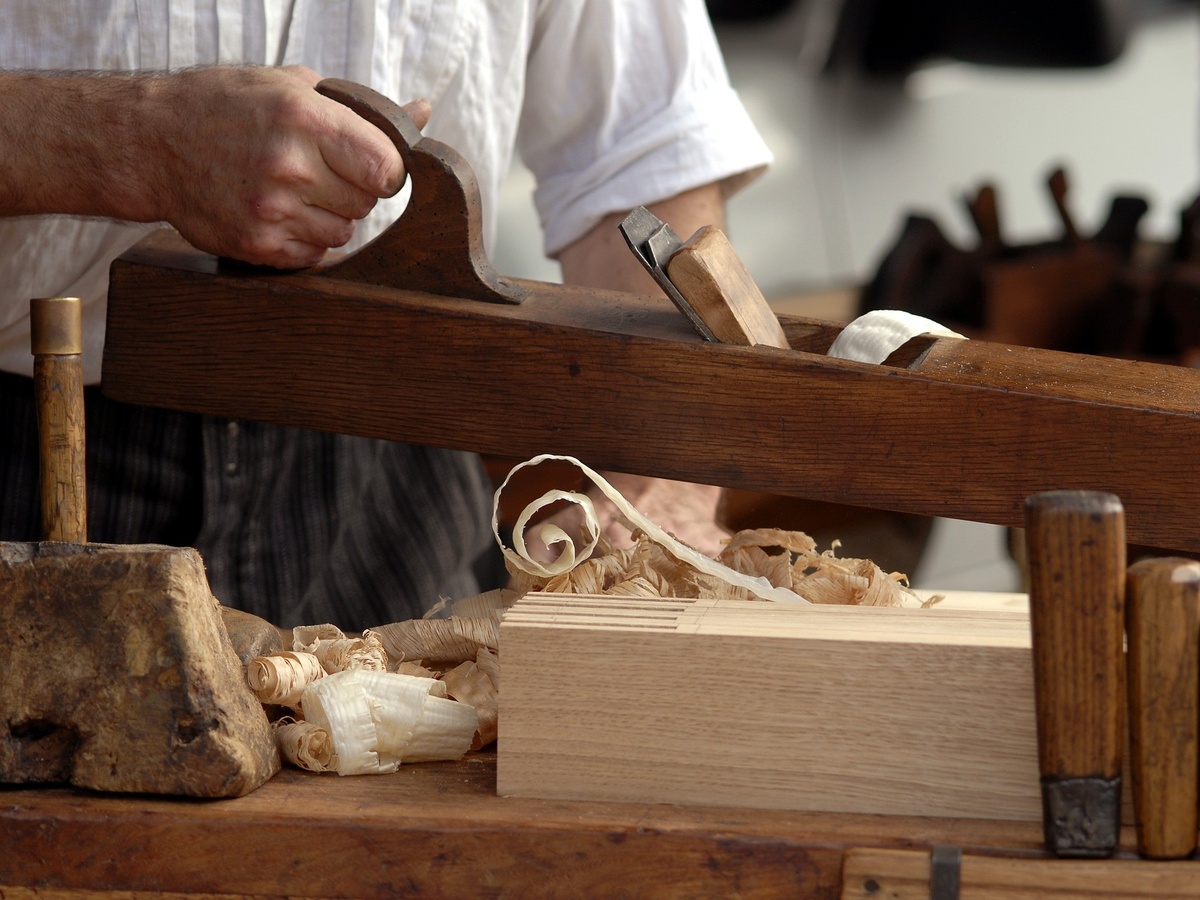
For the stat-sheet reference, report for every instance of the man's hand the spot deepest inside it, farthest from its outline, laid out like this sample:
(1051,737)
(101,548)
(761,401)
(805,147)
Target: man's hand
(275,173)
(245,162)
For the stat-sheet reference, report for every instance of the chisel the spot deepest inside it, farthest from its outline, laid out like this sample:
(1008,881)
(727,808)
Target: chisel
(1163,624)
(1075,544)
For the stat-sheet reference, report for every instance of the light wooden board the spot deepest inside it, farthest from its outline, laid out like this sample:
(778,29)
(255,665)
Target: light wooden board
(840,709)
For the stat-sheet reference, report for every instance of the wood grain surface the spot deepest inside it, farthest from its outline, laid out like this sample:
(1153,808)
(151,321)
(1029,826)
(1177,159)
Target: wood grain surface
(771,705)
(438,830)
(622,382)
(58,386)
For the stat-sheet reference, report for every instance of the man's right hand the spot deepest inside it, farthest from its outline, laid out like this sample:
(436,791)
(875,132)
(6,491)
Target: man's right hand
(250,163)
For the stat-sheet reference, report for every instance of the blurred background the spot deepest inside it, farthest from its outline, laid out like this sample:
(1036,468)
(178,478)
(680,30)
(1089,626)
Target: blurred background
(877,110)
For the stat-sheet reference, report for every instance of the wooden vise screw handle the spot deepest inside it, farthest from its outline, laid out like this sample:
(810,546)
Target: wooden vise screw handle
(1076,555)
(57,341)
(1163,624)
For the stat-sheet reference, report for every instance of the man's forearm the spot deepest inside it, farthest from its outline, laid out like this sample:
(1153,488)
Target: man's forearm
(248,162)
(69,144)
(601,258)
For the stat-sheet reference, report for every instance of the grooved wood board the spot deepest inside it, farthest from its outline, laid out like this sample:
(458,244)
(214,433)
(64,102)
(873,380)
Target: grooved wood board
(738,703)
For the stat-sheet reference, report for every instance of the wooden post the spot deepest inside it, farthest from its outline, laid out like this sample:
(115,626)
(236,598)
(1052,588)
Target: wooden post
(1163,624)
(57,342)
(1076,550)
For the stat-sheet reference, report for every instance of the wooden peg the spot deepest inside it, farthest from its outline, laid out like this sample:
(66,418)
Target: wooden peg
(1075,543)
(709,273)
(1163,625)
(56,332)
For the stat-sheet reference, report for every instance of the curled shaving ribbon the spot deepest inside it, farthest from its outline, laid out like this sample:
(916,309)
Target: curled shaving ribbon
(569,556)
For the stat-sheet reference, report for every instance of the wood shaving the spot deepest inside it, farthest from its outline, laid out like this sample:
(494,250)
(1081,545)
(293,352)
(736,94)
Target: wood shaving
(489,662)
(306,637)
(469,683)
(519,558)
(784,561)
(280,678)
(415,669)
(305,745)
(377,720)
(340,654)
(474,624)
(790,559)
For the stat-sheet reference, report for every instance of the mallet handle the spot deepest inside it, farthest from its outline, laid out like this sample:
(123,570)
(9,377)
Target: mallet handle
(57,344)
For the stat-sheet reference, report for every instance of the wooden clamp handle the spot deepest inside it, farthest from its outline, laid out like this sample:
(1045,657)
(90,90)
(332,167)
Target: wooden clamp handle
(1075,542)
(1163,624)
(56,333)
(436,246)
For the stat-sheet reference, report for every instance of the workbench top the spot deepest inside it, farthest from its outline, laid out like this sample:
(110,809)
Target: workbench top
(434,830)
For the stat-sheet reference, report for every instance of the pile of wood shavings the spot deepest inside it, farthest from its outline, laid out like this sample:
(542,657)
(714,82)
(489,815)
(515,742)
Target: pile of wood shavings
(762,564)
(378,714)
(457,643)
(785,559)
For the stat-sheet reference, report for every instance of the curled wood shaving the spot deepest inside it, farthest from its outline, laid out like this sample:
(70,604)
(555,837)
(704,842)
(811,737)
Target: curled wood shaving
(306,637)
(440,640)
(305,745)
(756,564)
(518,556)
(876,335)
(790,559)
(470,684)
(377,720)
(281,678)
(339,654)
(489,662)
(416,669)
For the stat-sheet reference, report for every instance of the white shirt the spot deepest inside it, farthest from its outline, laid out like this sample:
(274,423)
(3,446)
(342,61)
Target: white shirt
(611,103)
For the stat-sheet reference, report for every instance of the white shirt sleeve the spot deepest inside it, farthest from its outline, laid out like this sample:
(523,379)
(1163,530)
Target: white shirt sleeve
(628,102)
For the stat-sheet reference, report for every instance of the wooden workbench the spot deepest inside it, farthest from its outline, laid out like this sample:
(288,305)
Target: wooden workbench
(438,830)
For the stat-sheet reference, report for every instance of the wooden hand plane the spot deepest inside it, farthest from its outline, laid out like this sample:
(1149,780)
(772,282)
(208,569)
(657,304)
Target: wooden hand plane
(416,338)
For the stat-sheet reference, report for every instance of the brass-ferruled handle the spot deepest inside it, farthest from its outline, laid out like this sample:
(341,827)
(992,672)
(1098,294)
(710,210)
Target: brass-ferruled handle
(1163,627)
(56,337)
(1075,544)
